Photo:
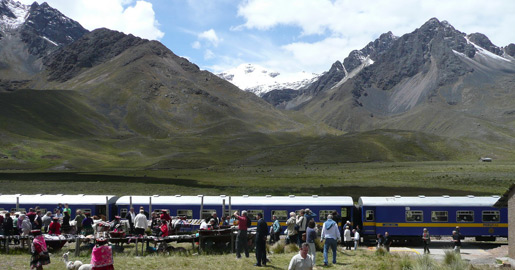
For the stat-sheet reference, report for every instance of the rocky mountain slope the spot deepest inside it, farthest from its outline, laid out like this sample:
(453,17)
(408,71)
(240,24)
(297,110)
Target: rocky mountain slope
(337,74)
(27,33)
(435,79)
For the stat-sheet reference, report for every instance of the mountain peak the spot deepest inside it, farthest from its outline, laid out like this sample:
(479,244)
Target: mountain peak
(259,80)
(12,14)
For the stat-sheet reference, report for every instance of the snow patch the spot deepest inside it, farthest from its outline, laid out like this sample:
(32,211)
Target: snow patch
(47,39)
(365,62)
(484,52)
(258,80)
(19,10)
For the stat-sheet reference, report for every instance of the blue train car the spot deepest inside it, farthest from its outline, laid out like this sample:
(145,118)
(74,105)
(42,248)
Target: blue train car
(405,217)
(201,207)
(101,205)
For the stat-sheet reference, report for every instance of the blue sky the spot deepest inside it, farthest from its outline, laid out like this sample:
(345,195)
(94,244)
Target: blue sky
(282,35)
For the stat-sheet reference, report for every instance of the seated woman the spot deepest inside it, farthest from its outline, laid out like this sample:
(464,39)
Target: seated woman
(55,227)
(39,251)
(102,256)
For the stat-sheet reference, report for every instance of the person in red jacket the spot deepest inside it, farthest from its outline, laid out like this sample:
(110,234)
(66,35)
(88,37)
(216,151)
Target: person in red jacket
(39,251)
(165,216)
(55,227)
(164,228)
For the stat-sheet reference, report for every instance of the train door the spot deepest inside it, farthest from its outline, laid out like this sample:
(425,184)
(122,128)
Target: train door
(368,217)
(346,214)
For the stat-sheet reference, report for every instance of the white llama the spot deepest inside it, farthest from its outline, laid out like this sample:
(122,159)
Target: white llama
(74,265)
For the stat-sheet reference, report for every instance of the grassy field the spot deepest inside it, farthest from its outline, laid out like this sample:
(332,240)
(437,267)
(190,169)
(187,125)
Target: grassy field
(360,259)
(351,179)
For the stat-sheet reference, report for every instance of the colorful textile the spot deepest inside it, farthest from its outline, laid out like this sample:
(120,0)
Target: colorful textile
(55,228)
(164,230)
(102,256)
(39,253)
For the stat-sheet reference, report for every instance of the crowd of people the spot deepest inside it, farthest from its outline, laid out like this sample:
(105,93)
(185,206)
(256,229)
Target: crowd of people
(301,230)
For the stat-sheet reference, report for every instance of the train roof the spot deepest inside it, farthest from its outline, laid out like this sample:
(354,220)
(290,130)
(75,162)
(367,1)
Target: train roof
(239,200)
(43,199)
(421,200)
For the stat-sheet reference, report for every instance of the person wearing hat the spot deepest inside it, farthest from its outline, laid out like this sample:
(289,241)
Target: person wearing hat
(87,224)
(116,223)
(39,252)
(102,256)
(55,227)
(165,216)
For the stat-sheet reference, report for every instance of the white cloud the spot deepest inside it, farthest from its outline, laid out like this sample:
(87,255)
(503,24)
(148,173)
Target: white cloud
(196,45)
(129,16)
(330,29)
(210,35)
(208,54)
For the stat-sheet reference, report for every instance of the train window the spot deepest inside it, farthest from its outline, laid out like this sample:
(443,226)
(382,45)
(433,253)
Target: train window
(252,214)
(464,216)
(207,213)
(188,213)
(369,215)
(439,216)
(282,215)
(322,214)
(344,213)
(21,210)
(43,210)
(84,211)
(414,216)
(123,212)
(491,216)
(230,213)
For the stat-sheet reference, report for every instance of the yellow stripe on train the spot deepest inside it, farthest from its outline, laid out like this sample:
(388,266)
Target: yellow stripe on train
(463,225)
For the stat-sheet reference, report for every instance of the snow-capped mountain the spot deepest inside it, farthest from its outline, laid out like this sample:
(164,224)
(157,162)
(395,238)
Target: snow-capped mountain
(12,14)
(27,34)
(258,80)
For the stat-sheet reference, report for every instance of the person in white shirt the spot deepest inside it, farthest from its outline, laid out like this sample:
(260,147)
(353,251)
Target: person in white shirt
(356,239)
(204,225)
(140,223)
(302,261)
(330,236)
(347,238)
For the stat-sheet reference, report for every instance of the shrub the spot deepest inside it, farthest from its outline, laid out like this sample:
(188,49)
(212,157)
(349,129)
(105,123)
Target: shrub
(278,248)
(291,248)
(405,263)
(381,252)
(319,246)
(424,263)
(451,257)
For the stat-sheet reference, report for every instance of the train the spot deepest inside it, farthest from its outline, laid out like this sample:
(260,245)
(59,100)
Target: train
(402,217)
